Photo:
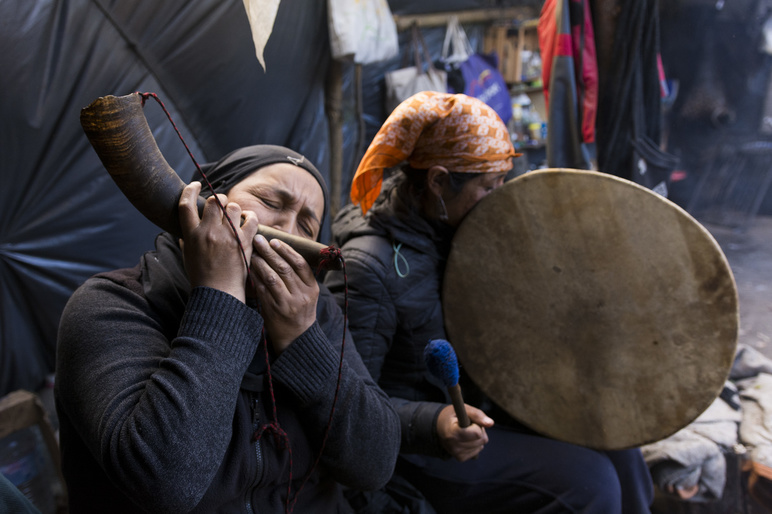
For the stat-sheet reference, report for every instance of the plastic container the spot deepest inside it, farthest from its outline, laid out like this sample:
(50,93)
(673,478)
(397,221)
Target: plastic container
(534,130)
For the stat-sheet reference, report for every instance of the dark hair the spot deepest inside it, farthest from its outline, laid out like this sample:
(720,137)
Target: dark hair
(416,179)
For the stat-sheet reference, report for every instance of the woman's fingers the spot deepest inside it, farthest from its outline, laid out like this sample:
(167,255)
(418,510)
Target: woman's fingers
(473,443)
(463,443)
(272,271)
(288,301)
(282,268)
(478,417)
(212,211)
(248,230)
(187,208)
(245,224)
(211,251)
(296,261)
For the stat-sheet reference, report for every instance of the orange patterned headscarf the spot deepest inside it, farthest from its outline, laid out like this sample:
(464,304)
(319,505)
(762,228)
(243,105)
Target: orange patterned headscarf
(428,129)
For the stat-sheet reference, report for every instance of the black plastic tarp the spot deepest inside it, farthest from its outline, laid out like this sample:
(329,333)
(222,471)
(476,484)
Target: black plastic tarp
(62,219)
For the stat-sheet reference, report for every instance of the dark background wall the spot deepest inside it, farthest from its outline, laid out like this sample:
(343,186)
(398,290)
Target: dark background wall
(713,51)
(62,218)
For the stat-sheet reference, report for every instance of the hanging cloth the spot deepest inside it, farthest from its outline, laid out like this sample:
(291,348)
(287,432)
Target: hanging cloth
(570,77)
(630,93)
(261,15)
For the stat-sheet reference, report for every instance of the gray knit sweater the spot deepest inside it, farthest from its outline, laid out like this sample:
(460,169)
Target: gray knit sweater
(154,415)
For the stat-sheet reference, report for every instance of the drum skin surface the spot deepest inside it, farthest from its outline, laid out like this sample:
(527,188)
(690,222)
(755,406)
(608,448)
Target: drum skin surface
(590,309)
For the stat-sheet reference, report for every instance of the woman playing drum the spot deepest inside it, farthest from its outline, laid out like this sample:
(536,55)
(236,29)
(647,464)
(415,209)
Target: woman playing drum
(453,150)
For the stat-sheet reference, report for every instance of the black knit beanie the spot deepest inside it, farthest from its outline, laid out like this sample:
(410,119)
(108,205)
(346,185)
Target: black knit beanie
(237,165)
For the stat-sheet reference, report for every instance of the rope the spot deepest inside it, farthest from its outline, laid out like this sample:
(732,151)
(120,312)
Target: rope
(337,388)
(329,255)
(280,437)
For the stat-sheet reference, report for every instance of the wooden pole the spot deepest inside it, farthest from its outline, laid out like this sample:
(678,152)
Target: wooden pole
(404,22)
(333,108)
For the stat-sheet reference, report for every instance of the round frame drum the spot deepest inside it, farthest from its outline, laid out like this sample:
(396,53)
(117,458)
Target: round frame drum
(591,309)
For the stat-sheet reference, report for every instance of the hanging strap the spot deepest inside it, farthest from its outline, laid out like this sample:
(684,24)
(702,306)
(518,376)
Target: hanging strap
(455,38)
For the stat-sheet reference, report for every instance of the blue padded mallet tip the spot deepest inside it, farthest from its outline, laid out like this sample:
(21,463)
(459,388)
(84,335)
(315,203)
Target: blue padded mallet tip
(441,361)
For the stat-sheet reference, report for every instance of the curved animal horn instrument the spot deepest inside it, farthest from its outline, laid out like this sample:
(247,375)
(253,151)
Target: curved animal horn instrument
(117,129)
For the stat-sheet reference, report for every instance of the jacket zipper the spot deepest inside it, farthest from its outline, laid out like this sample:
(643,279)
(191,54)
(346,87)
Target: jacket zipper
(258,453)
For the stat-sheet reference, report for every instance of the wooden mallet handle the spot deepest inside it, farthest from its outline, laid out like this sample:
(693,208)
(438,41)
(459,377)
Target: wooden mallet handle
(458,405)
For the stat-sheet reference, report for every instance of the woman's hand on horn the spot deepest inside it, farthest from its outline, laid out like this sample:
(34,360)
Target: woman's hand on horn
(209,247)
(287,290)
(463,444)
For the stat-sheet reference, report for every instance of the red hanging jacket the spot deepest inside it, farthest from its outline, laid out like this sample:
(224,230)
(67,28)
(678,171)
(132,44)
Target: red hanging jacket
(565,30)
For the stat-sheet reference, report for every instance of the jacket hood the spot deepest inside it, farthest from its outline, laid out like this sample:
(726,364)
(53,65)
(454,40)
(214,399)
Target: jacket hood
(394,217)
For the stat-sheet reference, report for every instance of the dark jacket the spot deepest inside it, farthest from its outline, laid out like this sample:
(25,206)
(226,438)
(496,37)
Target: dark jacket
(395,261)
(160,391)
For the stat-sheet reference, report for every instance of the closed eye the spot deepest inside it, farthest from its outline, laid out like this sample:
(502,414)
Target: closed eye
(269,203)
(306,228)
(278,198)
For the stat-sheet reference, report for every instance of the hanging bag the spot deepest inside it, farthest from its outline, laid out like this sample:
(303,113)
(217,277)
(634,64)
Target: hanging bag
(403,83)
(472,73)
(362,29)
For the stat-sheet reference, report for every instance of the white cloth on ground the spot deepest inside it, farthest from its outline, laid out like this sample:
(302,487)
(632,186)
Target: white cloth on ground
(694,456)
(756,426)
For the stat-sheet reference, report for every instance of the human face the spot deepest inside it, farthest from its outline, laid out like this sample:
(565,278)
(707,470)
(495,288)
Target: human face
(474,190)
(283,196)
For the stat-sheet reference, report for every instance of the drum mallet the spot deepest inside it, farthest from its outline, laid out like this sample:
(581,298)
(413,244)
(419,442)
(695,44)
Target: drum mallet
(441,360)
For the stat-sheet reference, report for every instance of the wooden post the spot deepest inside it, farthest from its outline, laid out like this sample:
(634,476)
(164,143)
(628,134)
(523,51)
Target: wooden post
(333,108)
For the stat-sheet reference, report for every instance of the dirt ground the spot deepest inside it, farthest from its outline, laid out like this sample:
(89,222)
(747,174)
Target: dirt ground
(750,257)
